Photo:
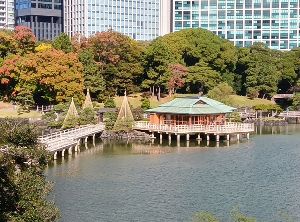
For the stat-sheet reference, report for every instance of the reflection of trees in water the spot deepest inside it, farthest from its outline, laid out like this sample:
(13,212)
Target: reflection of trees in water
(288,129)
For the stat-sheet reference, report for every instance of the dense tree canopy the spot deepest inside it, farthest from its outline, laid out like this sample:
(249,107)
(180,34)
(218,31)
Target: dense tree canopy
(108,63)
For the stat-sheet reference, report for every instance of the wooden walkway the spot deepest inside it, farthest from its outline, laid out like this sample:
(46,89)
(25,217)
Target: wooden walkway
(69,139)
(290,114)
(197,129)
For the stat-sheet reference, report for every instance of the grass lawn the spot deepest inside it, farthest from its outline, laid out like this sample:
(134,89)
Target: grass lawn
(243,101)
(8,110)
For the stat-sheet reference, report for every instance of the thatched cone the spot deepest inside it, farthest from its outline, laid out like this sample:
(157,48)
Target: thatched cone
(71,117)
(87,102)
(125,118)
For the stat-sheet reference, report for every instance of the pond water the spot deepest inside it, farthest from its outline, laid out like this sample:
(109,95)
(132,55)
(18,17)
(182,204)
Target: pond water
(143,182)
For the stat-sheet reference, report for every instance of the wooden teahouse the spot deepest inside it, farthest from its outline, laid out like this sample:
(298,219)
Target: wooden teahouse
(190,111)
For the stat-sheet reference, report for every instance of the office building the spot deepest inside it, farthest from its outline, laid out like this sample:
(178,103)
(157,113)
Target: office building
(139,19)
(7,15)
(44,17)
(274,22)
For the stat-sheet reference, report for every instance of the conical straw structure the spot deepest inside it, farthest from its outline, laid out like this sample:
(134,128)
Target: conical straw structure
(88,101)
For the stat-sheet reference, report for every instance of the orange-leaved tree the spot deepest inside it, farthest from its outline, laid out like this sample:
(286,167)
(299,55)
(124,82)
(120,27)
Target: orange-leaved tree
(50,76)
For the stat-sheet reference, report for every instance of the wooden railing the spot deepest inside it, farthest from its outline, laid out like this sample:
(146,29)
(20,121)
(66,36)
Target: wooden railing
(44,108)
(69,137)
(291,114)
(226,128)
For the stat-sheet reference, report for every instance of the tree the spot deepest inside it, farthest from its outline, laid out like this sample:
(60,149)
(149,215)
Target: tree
(177,78)
(262,73)
(202,78)
(93,77)
(63,42)
(119,60)
(221,93)
(23,187)
(110,103)
(145,103)
(87,116)
(25,40)
(296,101)
(50,76)
(158,56)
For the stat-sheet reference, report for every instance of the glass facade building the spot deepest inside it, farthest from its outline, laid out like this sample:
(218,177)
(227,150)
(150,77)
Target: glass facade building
(44,17)
(7,14)
(274,22)
(139,19)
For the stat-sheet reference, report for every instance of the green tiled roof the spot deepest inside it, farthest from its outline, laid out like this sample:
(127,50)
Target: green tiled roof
(193,106)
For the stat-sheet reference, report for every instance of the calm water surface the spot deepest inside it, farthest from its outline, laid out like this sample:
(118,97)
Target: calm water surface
(139,182)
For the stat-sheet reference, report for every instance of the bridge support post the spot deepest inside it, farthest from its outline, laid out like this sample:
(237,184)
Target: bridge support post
(94,136)
(238,137)
(170,138)
(63,153)
(85,139)
(248,135)
(199,137)
(70,151)
(160,137)
(218,138)
(187,137)
(55,155)
(227,137)
(207,137)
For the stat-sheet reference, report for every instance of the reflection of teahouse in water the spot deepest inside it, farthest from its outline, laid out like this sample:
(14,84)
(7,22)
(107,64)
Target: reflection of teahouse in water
(193,116)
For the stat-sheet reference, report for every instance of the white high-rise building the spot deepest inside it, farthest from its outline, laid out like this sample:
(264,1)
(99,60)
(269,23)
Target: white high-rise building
(273,22)
(7,14)
(139,19)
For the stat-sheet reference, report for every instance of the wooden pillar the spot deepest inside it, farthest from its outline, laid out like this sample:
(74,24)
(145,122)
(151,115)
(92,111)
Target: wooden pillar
(190,120)
(199,137)
(85,139)
(170,138)
(227,137)
(187,137)
(63,153)
(55,155)
(207,137)
(248,136)
(178,137)
(160,136)
(94,136)
(238,137)
(218,138)
(70,151)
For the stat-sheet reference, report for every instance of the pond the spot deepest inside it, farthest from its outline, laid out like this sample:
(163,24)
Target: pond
(151,182)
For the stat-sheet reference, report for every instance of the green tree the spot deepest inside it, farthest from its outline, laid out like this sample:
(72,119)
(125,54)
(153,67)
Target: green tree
(221,93)
(110,103)
(63,42)
(23,187)
(202,78)
(145,103)
(87,116)
(93,77)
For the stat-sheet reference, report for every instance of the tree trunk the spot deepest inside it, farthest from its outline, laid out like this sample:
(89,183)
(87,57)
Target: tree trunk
(153,89)
(158,94)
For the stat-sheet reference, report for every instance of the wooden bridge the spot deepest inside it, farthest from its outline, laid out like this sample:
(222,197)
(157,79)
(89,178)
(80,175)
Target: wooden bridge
(290,114)
(66,140)
(44,109)
(197,129)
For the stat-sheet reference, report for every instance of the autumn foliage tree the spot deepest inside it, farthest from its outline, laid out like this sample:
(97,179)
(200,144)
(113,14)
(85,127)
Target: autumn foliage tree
(177,78)
(119,60)
(43,77)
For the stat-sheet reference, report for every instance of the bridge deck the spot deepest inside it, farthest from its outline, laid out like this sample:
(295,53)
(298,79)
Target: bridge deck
(228,128)
(68,138)
(290,114)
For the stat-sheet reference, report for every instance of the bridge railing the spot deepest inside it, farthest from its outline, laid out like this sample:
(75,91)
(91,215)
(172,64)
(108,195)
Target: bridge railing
(69,132)
(229,127)
(290,114)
